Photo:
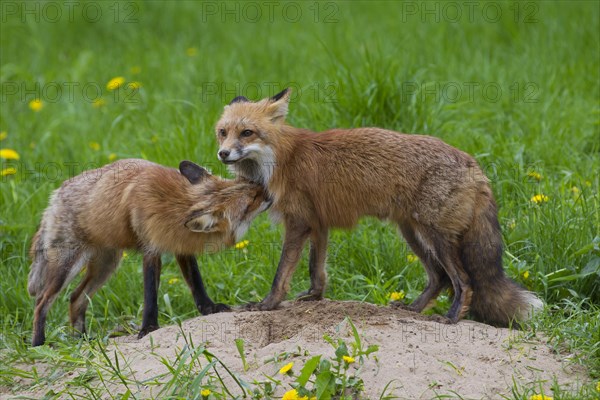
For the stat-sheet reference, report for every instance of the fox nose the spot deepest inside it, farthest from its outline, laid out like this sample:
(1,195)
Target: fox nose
(223,154)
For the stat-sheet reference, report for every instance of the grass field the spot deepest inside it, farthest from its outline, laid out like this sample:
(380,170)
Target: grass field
(516,84)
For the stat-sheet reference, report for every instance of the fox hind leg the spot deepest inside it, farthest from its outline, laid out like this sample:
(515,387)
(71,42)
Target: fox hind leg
(437,278)
(100,267)
(446,250)
(461,284)
(63,264)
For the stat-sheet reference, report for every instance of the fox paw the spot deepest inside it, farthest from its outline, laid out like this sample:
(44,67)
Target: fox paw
(261,306)
(214,308)
(147,330)
(310,295)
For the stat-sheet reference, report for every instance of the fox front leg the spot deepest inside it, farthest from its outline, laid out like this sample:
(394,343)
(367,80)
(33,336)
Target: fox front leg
(316,265)
(191,273)
(152,267)
(295,237)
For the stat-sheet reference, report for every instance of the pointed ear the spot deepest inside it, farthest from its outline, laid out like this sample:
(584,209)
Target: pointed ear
(239,99)
(283,93)
(278,107)
(200,221)
(193,172)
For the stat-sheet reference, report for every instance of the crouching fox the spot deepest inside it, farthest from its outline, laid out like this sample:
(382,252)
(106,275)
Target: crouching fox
(436,194)
(135,204)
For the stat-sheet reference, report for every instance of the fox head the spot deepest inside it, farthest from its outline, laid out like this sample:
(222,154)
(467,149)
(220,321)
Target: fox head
(247,137)
(224,206)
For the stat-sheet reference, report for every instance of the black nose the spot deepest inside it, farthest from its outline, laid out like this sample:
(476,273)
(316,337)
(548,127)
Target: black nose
(223,154)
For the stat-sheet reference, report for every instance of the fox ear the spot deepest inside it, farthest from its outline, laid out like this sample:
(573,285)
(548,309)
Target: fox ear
(278,107)
(285,92)
(200,221)
(239,99)
(193,172)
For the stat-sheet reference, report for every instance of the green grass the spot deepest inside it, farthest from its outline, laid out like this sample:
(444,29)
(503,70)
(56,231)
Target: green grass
(520,92)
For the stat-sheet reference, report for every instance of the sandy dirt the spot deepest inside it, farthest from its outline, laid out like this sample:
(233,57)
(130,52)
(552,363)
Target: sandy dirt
(423,358)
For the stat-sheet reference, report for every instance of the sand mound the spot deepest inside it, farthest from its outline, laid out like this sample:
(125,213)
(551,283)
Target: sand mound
(423,358)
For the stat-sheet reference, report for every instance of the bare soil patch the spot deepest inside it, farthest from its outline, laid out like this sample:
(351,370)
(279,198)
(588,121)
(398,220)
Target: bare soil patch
(422,357)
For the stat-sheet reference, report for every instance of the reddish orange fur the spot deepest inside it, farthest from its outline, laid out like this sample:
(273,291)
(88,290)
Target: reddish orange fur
(436,194)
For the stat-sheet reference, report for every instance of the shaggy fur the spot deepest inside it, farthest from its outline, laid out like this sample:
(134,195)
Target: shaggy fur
(135,204)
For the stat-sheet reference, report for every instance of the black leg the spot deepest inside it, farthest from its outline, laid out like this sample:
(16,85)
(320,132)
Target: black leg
(152,267)
(191,274)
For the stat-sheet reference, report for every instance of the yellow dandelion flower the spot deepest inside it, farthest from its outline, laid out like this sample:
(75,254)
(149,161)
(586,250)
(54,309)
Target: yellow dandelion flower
(134,85)
(242,244)
(526,275)
(348,359)
(36,105)
(395,296)
(8,171)
(290,395)
(411,258)
(286,368)
(191,51)
(3,135)
(535,175)
(115,83)
(95,146)
(9,154)
(135,69)
(539,198)
(540,397)
(99,102)
(112,157)
(598,386)
(125,254)
(205,392)
(173,281)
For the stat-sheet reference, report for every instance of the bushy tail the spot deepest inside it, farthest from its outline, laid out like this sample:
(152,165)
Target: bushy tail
(496,300)
(36,254)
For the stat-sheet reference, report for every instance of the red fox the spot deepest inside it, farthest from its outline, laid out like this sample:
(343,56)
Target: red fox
(135,204)
(436,194)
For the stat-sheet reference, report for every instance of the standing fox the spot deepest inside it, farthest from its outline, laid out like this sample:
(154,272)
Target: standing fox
(135,204)
(436,194)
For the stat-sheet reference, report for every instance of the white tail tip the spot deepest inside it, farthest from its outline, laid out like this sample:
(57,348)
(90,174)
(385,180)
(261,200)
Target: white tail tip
(533,304)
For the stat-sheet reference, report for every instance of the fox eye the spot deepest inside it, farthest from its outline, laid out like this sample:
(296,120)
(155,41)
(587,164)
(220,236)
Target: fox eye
(246,133)
(222,132)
